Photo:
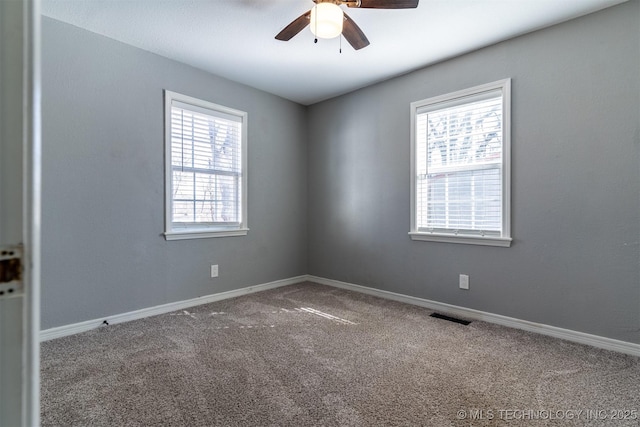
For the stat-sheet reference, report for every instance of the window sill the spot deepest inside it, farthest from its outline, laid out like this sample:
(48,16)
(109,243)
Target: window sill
(204,234)
(504,242)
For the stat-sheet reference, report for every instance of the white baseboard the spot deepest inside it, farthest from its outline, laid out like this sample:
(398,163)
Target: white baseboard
(553,331)
(76,328)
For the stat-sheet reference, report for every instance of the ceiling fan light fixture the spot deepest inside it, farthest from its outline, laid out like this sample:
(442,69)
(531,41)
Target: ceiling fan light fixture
(326,20)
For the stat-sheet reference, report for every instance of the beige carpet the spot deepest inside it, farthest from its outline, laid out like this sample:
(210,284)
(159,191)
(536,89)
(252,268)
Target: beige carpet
(311,355)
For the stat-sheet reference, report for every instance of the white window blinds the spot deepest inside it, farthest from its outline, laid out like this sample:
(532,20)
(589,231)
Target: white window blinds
(459,165)
(206,167)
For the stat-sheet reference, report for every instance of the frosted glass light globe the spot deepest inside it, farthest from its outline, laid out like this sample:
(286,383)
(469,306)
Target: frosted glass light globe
(326,20)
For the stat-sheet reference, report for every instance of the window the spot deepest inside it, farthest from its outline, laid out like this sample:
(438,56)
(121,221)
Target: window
(205,171)
(461,166)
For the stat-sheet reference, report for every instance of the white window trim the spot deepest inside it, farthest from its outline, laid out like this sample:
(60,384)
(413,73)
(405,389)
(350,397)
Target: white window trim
(504,240)
(199,232)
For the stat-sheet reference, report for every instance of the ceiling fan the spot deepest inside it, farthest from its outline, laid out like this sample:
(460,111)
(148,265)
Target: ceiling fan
(328,20)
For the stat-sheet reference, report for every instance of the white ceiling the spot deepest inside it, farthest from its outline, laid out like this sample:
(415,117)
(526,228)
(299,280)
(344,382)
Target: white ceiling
(235,38)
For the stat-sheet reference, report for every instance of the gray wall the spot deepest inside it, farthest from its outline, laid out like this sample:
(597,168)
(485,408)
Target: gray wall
(103,188)
(574,262)
(334,201)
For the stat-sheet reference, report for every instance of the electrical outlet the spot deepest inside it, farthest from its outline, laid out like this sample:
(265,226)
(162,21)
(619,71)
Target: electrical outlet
(214,270)
(464,281)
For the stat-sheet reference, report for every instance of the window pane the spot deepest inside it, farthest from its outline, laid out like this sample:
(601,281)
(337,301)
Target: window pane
(462,201)
(182,212)
(216,199)
(459,155)
(182,185)
(205,142)
(206,161)
(464,135)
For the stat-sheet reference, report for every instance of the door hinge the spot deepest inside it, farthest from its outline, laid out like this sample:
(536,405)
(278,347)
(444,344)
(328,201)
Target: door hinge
(11,271)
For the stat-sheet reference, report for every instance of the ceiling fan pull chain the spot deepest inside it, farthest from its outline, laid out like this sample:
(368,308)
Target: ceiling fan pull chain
(340,37)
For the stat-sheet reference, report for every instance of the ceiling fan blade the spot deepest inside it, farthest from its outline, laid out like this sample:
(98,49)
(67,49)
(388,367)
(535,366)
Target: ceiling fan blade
(354,34)
(295,27)
(386,4)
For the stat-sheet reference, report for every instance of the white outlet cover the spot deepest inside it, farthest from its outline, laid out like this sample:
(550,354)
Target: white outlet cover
(214,270)
(464,281)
